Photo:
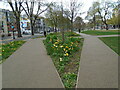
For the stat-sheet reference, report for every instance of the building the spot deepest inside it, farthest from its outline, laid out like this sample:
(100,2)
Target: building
(40,25)
(3,22)
(7,18)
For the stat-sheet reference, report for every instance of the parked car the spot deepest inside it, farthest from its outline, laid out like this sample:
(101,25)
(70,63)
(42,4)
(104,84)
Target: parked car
(28,31)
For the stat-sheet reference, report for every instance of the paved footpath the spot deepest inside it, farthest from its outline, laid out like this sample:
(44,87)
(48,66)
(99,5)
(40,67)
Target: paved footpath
(98,65)
(30,67)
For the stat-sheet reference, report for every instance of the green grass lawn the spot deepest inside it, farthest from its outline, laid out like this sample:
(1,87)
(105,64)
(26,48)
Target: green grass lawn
(65,56)
(102,32)
(9,48)
(112,42)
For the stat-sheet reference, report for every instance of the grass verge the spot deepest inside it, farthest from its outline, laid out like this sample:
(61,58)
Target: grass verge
(102,32)
(66,56)
(9,48)
(112,42)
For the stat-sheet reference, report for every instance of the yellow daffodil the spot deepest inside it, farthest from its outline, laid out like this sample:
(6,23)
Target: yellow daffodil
(56,42)
(71,42)
(61,46)
(66,46)
(66,54)
(64,49)
(51,40)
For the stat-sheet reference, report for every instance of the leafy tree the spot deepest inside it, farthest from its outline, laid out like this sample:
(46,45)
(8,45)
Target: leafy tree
(104,10)
(114,20)
(78,23)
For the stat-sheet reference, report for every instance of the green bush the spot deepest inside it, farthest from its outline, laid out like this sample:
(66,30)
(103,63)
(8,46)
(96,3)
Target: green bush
(69,79)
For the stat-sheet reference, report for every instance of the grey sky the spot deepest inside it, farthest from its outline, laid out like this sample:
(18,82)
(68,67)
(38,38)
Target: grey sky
(84,8)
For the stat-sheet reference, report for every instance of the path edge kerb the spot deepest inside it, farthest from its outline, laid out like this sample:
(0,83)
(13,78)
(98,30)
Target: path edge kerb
(79,67)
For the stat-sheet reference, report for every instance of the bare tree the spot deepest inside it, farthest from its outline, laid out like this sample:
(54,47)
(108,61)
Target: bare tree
(73,11)
(30,10)
(16,6)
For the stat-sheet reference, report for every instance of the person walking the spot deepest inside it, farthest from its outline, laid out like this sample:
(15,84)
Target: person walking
(44,33)
(12,26)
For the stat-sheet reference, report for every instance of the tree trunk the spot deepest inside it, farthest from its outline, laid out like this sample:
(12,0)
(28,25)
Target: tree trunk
(94,22)
(31,27)
(18,26)
(71,25)
(106,26)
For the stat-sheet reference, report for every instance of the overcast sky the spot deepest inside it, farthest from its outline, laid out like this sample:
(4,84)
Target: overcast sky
(84,8)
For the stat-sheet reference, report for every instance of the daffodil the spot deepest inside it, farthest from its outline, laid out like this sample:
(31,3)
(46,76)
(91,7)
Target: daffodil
(71,42)
(54,45)
(61,46)
(56,42)
(66,46)
(50,39)
(66,54)
(61,59)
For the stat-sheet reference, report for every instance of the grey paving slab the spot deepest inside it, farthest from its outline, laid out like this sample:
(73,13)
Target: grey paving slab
(30,67)
(98,65)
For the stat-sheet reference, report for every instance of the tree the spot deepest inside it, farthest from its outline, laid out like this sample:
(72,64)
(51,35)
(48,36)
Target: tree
(104,10)
(30,10)
(78,23)
(72,11)
(92,12)
(16,6)
(114,20)
(52,16)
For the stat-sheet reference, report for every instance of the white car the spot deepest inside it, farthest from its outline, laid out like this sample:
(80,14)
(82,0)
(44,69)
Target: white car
(27,31)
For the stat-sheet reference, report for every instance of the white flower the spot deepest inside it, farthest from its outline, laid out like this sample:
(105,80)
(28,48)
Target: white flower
(60,59)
